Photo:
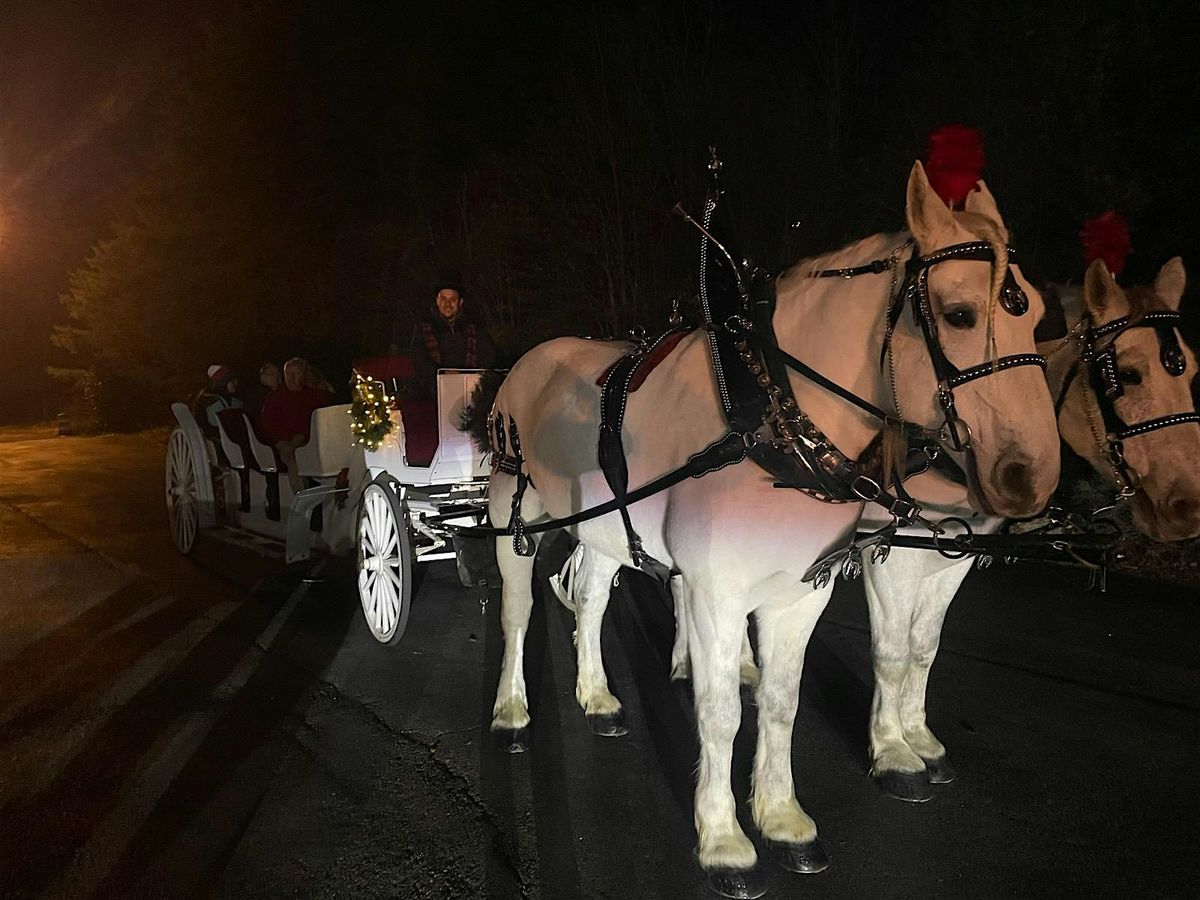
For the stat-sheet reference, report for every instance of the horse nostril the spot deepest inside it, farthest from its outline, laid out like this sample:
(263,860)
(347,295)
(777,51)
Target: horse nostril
(1017,479)
(1183,508)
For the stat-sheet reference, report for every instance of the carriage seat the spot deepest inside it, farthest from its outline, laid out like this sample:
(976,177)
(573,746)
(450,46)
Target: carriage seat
(235,450)
(419,415)
(256,453)
(420,422)
(395,370)
(328,449)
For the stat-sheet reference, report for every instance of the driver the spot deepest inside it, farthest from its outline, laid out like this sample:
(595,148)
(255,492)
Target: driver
(449,337)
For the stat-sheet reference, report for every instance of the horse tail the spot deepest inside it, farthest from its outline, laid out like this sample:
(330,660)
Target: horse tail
(475,415)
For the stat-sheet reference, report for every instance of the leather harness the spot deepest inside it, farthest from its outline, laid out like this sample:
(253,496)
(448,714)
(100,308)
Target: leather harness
(1098,355)
(765,422)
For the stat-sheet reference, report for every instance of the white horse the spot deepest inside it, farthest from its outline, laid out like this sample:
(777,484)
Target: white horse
(908,595)
(738,544)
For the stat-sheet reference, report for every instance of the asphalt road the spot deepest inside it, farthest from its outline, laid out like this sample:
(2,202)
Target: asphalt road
(222,726)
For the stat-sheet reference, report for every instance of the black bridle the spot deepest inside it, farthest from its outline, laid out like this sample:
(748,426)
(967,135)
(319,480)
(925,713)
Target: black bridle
(1099,356)
(914,292)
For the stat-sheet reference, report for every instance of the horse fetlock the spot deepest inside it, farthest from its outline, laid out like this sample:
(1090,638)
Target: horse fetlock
(681,668)
(726,850)
(597,701)
(896,757)
(783,821)
(510,713)
(923,743)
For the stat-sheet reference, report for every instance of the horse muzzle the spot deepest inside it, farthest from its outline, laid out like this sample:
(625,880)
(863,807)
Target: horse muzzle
(1174,518)
(1016,486)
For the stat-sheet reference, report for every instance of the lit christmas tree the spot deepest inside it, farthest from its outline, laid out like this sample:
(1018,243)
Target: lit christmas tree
(370,413)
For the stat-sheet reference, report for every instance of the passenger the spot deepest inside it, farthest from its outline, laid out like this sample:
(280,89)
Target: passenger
(220,393)
(269,379)
(449,337)
(286,415)
(317,381)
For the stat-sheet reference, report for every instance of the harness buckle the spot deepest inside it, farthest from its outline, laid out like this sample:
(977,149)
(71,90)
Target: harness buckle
(905,511)
(865,488)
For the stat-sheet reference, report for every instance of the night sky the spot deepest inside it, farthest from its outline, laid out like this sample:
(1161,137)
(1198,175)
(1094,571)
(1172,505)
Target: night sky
(273,178)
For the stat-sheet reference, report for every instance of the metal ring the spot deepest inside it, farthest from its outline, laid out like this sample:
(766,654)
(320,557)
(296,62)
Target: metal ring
(952,438)
(967,533)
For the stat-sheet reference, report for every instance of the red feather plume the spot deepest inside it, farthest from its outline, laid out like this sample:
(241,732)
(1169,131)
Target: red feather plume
(1106,237)
(954,162)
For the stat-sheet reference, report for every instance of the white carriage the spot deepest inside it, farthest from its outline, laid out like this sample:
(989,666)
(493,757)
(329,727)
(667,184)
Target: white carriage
(390,506)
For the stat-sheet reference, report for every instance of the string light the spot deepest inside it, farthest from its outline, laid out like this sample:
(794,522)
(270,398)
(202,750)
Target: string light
(370,413)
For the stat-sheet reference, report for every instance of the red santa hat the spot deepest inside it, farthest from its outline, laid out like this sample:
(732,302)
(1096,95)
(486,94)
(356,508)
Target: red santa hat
(218,373)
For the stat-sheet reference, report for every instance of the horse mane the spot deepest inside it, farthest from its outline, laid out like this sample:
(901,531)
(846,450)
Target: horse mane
(863,250)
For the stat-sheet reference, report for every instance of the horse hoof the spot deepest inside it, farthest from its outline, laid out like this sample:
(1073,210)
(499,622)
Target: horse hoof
(741,884)
(510,740)
(609,724)
(912,787)
(939,770)
(805,858)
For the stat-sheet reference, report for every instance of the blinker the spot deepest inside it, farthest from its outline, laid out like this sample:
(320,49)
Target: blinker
(1169,352)
(1012,297)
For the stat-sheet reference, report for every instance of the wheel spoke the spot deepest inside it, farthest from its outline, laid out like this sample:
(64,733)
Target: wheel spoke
(394,578)
(373,518)
(384,609)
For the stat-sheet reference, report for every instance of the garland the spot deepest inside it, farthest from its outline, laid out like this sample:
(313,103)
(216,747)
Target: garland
(370,413)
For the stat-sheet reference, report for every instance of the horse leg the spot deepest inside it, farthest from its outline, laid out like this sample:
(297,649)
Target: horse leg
(924,636)
(594,585)
(783,633)
(748,672)
(510,714)
(681,666)
(892,592)
(681,662)
(725,853)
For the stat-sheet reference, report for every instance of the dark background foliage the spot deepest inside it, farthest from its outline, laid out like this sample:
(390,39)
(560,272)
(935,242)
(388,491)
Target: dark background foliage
(269,179)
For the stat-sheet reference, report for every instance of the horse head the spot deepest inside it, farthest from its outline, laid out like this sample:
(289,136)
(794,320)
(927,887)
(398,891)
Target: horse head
(1130,414)
(980,312)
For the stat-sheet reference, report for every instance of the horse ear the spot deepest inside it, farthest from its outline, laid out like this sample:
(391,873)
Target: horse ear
(929,219)
(1170,281)
(981,202)
(1100,289)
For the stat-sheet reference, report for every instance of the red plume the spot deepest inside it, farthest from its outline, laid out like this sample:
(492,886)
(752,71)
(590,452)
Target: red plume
(954,162)
(1106,237)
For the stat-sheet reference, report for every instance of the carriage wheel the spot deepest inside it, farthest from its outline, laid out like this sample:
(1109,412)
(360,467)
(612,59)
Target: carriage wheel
(384,562)
(183,504)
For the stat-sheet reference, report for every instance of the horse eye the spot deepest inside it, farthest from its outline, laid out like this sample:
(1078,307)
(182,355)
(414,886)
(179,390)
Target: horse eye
(960,318)
(1130,376)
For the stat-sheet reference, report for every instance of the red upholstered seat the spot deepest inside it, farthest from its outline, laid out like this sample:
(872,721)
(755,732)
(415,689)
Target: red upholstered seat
(396,365)
(420,429)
